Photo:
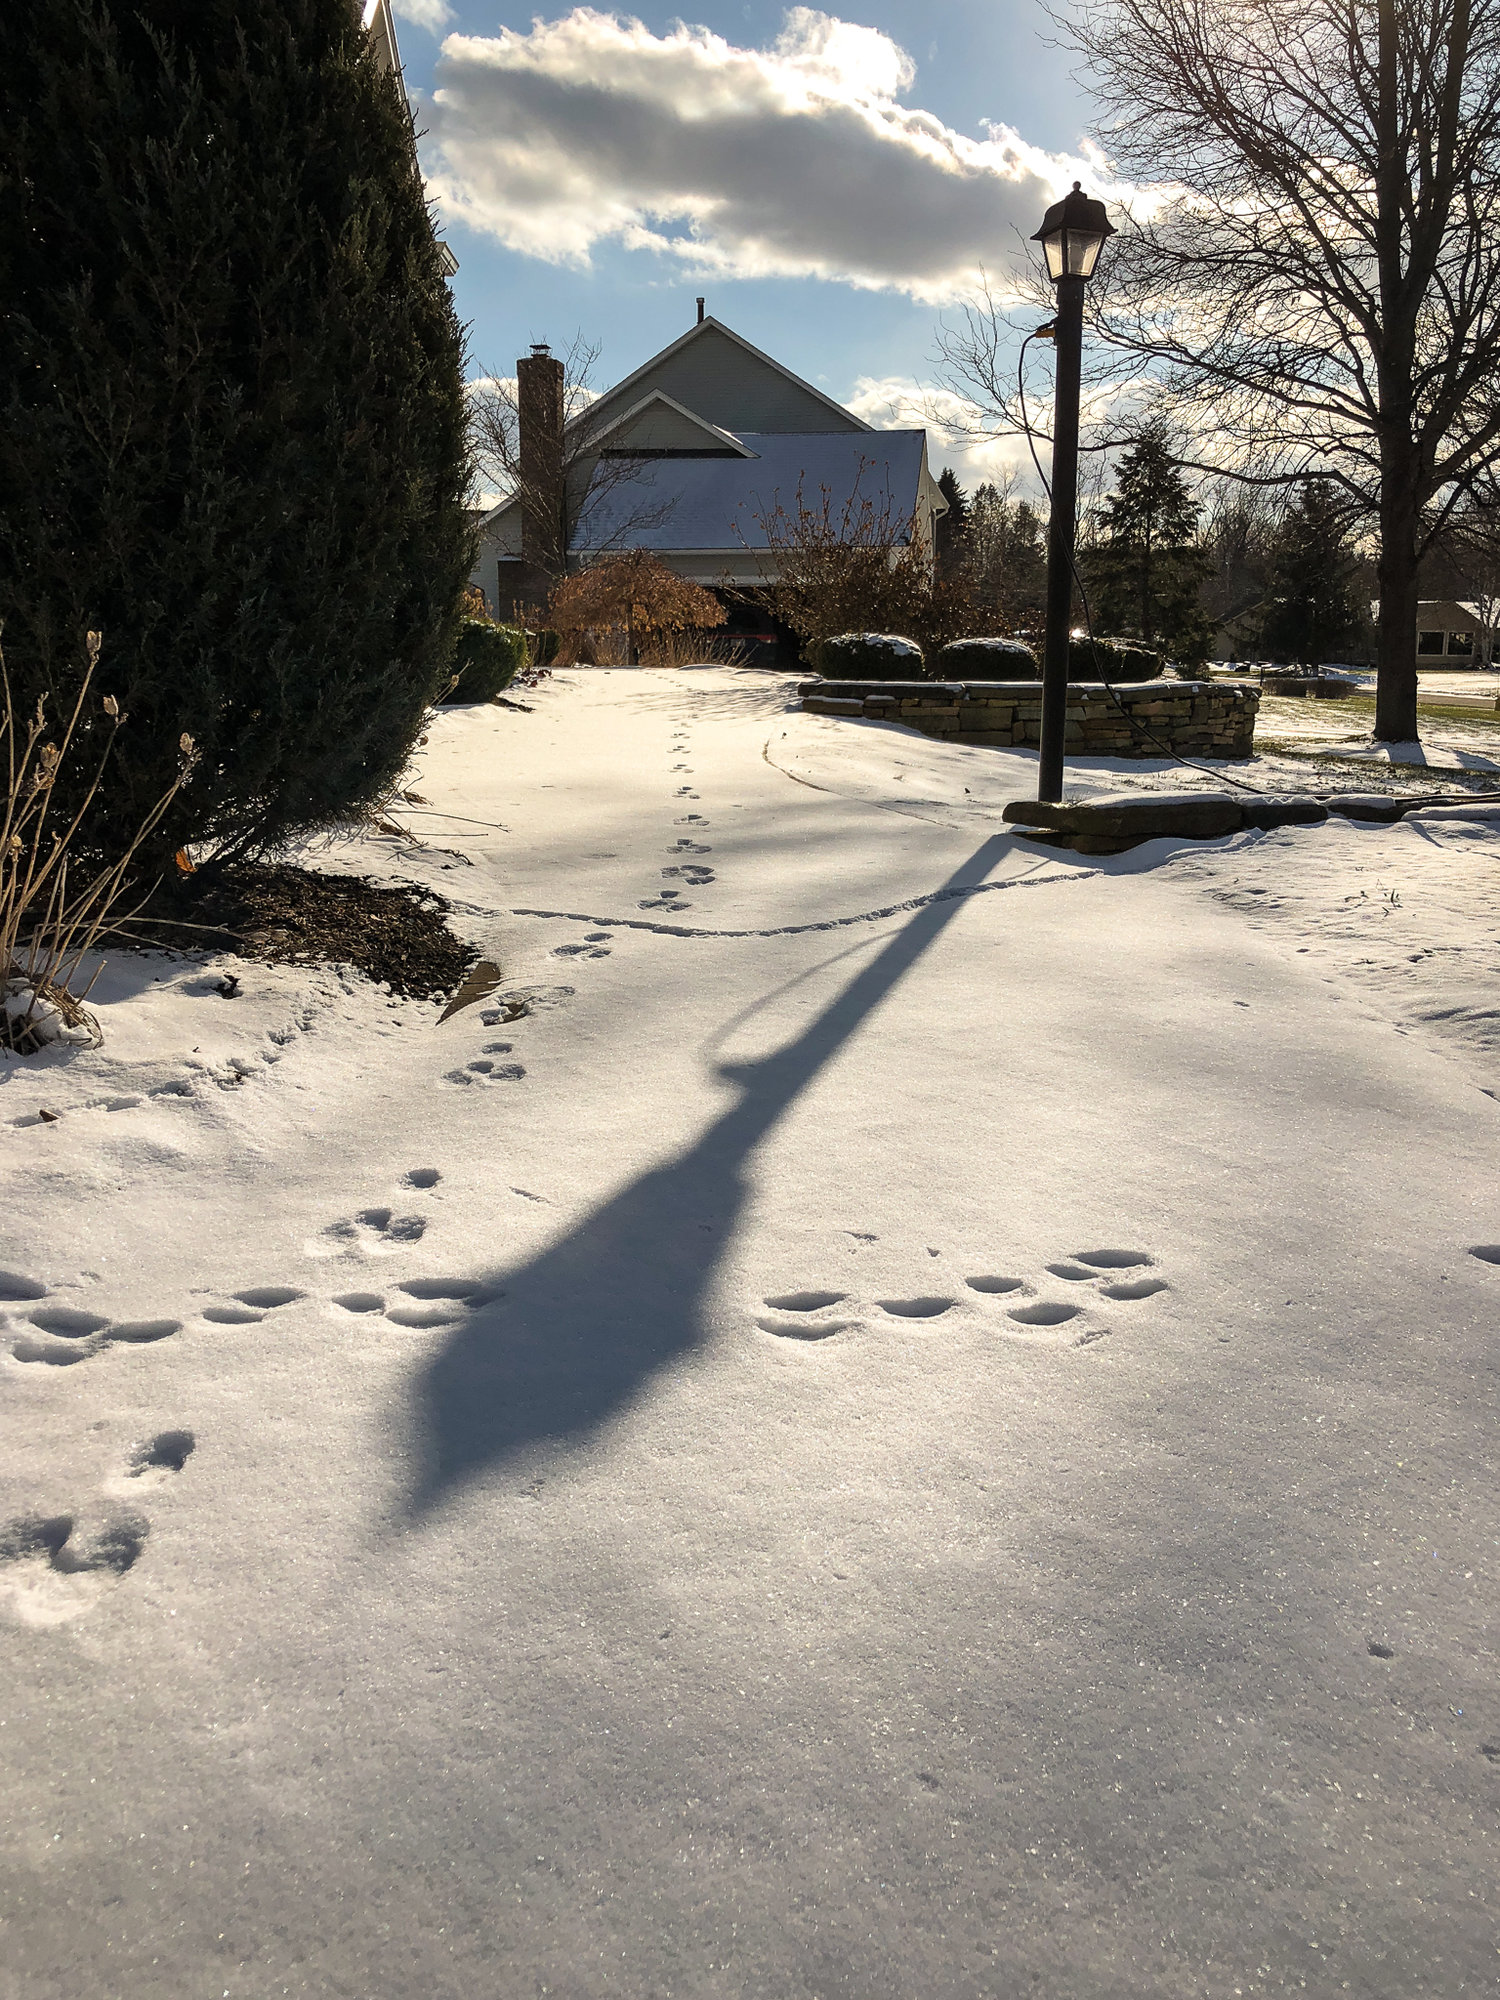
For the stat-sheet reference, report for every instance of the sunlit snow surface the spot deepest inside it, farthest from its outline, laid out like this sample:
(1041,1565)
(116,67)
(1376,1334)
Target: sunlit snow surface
(896,1412)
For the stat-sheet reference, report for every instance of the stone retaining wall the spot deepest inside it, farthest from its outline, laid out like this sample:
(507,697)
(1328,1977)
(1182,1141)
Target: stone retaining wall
(1194,718)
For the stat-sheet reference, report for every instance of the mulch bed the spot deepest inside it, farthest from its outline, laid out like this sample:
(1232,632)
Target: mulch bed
(291,916)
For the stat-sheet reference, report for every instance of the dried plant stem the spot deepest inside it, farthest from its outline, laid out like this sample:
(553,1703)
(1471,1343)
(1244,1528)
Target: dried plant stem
(48,922)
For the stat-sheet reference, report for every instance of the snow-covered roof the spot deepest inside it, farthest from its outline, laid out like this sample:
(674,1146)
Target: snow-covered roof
(719,503)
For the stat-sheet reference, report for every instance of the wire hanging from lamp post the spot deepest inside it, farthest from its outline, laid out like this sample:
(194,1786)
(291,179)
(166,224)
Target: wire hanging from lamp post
(1072,234)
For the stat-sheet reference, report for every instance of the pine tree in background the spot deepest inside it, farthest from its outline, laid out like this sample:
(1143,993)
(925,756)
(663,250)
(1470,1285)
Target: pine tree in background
(1146,571)
(952,527)
(1314,613)
(1008,561)
(232,424)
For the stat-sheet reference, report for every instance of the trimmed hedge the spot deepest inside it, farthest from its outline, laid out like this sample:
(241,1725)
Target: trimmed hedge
(1112,660)
(868,656)
(488,659)
(987,660)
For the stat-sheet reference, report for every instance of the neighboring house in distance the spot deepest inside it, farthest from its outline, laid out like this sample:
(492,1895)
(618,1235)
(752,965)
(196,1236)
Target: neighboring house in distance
(687,457)
(1455,634)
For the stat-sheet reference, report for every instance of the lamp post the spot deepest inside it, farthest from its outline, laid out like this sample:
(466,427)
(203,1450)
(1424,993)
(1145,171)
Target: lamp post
(1072,235)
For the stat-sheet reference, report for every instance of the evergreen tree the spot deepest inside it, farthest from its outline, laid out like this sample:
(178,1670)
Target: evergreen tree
(1314,613)
(1008,560)
(953,527)
(231,404)
(1147,570)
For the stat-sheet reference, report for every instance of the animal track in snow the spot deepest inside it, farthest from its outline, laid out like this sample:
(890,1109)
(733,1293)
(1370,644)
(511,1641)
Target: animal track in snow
(1044,1312)
(68,1322)
(49,1574)
(695,876)
(802,1329)
(157,1461)
(419,1318)
(14,1287)
(483,1070)
(429,1302)
(688,847)
(1033,1320)
(140,1332)
(74,1335)
(440,1301)
(1487,1253)
(423,1177)
(375,1231)
(523,1000)
(268,1297)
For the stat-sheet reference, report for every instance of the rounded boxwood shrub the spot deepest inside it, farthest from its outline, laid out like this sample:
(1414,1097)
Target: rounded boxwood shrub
(488,659)
(987,660)
(1112,660)
(868,656)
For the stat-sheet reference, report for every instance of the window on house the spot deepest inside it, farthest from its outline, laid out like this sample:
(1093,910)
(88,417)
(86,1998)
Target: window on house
(1429,642)
(1461,643)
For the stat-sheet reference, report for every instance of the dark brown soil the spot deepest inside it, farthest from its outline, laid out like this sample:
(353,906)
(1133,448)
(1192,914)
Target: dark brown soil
(291,916)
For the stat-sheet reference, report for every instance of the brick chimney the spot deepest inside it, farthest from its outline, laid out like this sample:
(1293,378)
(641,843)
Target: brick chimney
(539,401)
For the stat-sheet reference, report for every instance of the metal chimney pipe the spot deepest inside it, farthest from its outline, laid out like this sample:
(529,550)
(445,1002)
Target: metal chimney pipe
(700,312)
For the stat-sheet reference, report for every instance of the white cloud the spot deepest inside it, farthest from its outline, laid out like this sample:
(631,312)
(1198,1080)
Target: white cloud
(954,427)
(793,161)
(433,15)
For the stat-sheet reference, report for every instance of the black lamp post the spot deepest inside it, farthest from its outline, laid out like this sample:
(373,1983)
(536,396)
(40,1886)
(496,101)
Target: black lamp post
(1072,235)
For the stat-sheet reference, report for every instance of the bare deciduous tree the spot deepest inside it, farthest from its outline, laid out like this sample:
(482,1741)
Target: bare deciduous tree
(583,505)
(858,565)
(1311,284)
(1319,290)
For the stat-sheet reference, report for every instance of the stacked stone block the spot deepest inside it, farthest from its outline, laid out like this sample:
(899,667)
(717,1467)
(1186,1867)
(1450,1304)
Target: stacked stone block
(1194,718)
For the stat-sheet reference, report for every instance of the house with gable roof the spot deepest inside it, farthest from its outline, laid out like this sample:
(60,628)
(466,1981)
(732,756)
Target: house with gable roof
(688,457)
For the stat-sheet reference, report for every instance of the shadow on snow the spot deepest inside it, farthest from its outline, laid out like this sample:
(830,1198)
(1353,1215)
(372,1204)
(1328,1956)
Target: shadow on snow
(582,1328)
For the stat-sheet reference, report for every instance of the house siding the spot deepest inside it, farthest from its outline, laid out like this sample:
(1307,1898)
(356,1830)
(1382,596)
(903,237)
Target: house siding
(719,379)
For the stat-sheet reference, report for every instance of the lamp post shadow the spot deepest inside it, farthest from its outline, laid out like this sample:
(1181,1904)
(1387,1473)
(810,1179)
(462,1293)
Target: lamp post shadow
(577,1333)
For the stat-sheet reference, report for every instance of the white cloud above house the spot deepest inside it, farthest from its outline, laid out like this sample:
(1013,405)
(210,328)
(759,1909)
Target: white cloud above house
(797,160)
(433,15)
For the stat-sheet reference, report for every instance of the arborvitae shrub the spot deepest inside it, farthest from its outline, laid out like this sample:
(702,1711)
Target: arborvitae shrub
(987,660)
(231,407)
(488,659)
(867,656)
(1112,660)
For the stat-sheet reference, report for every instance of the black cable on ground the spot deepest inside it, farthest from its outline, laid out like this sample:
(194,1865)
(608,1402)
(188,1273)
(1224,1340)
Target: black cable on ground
(1132,722)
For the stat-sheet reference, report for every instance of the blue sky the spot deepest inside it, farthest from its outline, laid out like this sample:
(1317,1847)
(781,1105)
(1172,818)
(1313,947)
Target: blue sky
(831,182)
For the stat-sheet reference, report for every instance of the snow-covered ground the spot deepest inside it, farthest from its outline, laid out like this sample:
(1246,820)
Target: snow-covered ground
(897,1413)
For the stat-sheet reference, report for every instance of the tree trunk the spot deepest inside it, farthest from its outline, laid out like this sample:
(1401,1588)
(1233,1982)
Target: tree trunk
(1396,645)
(1396,636)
